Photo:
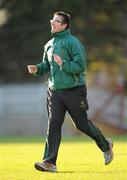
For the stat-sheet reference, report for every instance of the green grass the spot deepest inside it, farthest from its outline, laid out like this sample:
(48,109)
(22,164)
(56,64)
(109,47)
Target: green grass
(79,159)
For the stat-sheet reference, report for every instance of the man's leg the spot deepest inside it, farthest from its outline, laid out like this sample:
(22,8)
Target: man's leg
(56,113)
(77,107)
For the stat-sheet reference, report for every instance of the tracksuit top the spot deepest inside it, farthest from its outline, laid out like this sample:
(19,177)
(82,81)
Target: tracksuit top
(72,72)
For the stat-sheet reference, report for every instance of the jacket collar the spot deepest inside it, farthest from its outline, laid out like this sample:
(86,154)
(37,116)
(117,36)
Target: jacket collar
(62,33)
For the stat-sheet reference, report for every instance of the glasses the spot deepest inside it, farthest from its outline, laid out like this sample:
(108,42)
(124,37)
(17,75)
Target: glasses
(56,20)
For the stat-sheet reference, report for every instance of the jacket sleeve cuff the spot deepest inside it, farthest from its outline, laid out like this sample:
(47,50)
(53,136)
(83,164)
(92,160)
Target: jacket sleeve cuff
(38,70)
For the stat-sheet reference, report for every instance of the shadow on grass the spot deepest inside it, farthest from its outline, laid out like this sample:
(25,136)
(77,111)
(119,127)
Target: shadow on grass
(88,172)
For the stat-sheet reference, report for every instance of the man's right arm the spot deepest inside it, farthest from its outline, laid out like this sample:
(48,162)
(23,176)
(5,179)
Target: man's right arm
(41,68)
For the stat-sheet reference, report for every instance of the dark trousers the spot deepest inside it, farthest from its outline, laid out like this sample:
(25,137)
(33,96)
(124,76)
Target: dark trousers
(75,102)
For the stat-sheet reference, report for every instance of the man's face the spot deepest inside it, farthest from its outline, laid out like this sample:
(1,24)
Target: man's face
(57,24)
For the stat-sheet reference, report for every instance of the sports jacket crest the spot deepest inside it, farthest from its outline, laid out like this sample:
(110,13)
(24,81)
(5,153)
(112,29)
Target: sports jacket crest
(72,72)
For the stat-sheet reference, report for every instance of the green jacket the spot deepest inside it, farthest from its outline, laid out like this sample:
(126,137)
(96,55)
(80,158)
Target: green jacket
(72,72)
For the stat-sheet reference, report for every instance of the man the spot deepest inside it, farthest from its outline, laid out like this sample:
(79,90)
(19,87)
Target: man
(65,58)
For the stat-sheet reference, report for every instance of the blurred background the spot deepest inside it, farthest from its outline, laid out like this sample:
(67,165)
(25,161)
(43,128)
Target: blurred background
(24,30)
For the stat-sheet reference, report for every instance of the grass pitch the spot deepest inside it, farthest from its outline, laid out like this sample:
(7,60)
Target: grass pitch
(79,159)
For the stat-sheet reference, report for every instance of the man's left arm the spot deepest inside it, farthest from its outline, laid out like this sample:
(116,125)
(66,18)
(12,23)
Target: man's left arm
(78,62)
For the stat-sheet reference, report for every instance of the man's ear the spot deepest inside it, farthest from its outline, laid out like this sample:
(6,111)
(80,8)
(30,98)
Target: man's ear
(65,25)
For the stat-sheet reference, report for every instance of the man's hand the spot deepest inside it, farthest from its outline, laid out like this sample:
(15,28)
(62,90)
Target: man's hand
(58,59)
(32,69)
